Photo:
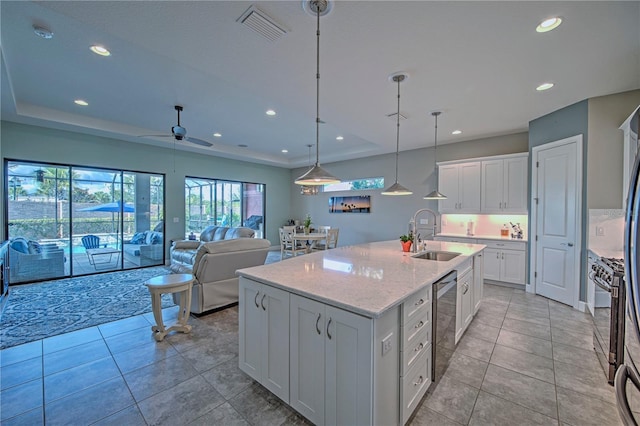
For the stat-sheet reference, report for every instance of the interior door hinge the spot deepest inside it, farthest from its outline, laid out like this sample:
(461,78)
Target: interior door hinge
(535,275)
(536,238)
(537,164)
(536,200)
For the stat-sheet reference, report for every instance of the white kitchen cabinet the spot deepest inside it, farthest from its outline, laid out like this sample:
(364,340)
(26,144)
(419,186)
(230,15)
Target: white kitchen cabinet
(331,363)
(464,308)
(504,185)
(504,261)
(478,281)
(264,340)
(460,182)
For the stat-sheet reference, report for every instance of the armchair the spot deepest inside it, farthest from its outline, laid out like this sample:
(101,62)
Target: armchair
(30,261)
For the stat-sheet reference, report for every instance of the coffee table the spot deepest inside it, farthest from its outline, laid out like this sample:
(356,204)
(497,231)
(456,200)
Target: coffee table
(102,251)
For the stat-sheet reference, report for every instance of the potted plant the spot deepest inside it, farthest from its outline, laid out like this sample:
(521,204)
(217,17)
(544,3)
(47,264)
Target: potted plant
(307,223)
(406,241)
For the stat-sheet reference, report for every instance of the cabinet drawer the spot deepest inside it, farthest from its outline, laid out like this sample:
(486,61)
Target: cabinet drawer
(501,245)
(464,267)
(416,305)
(415,384)
(411,354)
(412,330)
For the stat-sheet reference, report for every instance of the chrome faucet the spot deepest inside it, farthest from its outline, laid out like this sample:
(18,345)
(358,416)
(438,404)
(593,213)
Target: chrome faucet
(415,226)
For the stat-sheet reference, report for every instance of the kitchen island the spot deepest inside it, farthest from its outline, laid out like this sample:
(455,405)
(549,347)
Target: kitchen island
(344,336)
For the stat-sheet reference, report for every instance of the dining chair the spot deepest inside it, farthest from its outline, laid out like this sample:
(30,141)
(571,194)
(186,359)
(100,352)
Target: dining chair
(289,246)
(330,242)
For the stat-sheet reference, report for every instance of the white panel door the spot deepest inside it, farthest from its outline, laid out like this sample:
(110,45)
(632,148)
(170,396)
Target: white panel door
(250,329)
(556,215)
(307,358)
(469,188)
(514,199)
(349,368)
(275,367)
(448,185)
(492,186)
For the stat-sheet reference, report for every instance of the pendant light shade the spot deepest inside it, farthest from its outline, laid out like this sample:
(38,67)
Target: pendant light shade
(396,188)
(435,194)
(317,175)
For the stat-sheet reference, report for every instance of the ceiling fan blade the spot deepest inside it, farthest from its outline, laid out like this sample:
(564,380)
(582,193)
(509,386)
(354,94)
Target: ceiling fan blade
(198,141)
(155,136)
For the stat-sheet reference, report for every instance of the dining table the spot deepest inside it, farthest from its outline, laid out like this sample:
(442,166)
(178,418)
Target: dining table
(310,239)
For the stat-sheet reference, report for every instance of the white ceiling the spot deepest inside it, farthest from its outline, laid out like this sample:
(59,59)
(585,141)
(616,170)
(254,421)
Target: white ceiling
(478,62)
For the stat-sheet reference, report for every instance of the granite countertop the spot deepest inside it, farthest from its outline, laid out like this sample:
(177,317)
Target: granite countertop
(607,252)
(367,279)
(481,237)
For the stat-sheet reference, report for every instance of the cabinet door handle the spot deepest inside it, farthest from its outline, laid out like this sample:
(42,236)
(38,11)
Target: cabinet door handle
(497,255)
(255,300)
(418,348)
(262,303)
(419,381)
(419,302)
(418,325)
(317,321)
(500,244)
(505,205)
(466,288)
(328,333)
(502,256)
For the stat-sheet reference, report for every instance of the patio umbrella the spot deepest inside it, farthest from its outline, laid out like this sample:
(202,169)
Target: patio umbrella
(114,207)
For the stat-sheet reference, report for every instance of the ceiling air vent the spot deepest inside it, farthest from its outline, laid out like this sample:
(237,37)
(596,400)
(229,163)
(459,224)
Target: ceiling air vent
(261,23)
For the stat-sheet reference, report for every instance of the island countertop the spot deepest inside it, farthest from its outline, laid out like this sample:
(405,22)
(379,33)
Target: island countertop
(367,279)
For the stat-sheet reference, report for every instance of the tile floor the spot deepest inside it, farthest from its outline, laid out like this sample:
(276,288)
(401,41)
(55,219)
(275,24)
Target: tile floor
(524,360)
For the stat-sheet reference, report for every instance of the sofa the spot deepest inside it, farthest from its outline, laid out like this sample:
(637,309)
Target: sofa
(32,261)
(213,261)
(145,248)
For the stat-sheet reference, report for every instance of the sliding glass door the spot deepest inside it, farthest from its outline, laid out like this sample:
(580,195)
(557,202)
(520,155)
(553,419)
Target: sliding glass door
(89,220)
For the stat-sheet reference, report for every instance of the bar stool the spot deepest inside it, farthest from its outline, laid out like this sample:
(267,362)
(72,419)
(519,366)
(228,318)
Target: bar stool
(173,283)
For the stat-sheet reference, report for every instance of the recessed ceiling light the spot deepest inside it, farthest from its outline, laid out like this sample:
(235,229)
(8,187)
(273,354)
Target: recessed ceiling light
(544,86)
(339,138)
(456,132)
(243,145)
(549,24)
(81,102)
(42,32)
(217,135)
(284,151)
(270,112)
(100,50)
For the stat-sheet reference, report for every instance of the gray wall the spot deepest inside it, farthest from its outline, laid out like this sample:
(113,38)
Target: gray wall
(390,215)
(24,142)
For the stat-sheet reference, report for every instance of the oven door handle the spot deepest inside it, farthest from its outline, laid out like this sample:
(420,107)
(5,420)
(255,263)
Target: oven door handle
(623,374)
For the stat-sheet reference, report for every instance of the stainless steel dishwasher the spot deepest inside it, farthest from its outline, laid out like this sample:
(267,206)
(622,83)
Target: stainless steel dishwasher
(444,323)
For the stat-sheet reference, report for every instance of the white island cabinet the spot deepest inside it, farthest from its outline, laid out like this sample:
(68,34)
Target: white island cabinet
(344,335)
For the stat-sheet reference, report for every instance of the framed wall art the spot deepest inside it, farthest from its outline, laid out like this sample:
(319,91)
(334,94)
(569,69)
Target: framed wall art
(350,204)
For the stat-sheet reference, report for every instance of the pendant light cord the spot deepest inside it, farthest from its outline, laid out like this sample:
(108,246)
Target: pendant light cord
(398,79)
(317,3)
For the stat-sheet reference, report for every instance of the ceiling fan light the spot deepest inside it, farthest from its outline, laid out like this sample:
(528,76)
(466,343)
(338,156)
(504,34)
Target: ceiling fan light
(317,176)
(396,189)
(435,195)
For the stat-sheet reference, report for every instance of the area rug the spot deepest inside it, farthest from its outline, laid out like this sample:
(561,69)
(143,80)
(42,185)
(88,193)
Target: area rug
(45,309)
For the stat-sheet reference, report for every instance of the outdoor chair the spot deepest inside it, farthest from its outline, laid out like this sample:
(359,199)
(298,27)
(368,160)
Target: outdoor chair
(91,242)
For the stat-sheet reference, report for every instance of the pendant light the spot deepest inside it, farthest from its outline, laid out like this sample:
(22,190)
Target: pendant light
(435,195)
(317,175)
(310,189)
(396,188)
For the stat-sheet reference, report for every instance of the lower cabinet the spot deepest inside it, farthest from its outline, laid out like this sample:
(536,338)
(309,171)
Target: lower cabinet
(464,311)
(264,342)
(478,281)
(505,261)
(331,365)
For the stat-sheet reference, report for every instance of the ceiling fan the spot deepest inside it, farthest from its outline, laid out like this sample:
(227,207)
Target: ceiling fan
(180,133)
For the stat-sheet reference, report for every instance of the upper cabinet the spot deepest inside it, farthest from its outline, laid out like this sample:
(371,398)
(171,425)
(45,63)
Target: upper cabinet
(484,185)
(504,185)
(460,182)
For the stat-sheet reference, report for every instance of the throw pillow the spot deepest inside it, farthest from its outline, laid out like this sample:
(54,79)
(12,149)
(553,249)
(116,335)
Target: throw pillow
(20,245)
(34,247)
(156,238)
(159,227)
(138,238)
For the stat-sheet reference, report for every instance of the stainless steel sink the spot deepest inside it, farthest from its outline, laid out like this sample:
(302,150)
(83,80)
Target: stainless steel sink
(441,256)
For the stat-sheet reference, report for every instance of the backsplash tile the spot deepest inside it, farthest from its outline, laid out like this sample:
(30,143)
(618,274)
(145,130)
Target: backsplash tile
(606,229)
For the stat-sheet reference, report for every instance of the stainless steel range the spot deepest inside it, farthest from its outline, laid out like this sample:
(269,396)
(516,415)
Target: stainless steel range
(609,321)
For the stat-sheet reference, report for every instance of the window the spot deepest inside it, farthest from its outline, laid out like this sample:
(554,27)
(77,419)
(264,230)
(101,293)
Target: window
(52,208)
(223,203)
(356,185)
